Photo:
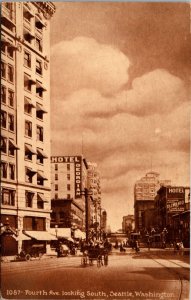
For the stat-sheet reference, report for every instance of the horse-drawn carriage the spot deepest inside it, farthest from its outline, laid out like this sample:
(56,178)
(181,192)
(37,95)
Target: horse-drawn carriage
(98,254)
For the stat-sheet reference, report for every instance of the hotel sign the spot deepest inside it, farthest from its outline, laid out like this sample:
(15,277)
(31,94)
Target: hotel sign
(175,199)
(77,161)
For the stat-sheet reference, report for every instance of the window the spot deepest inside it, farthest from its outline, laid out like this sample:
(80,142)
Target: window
(38,44)
(3,44)
(3,144)
(56,176)
(56,167)
(34,223)
(3,169)
(28,82)
(28,36)
(28,106)
(40,178)
(10,98)
(68,176)
(39,133)
(27,59)
(29,199)
(10,122)
(56,187)
(40,204)
(39,24)
(39,89)
(3,119)
(68,196)
(8,12)
(68,187)
(29,152)
(28,128)
(12,171)
(3,70)
(56,196)
(29,173)
(10,51)
(10,73)
(3,94)
(8,197)
(68,167)
(12,148)
(27,14)
(38,66)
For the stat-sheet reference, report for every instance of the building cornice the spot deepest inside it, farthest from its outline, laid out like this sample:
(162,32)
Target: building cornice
(47,8)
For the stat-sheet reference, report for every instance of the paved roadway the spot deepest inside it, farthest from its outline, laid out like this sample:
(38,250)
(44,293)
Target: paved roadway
(140,276)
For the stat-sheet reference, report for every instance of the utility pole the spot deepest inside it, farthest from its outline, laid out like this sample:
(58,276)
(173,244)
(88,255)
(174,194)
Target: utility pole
(86,193)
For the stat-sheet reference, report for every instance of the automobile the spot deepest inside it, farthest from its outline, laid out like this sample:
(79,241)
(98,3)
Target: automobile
(62,250)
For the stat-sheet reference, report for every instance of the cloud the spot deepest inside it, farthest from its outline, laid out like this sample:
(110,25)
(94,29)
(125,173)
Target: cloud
(85,63)
(122,130)
(156,92)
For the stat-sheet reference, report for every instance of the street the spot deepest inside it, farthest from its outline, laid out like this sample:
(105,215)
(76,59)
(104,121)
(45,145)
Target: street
(127,276)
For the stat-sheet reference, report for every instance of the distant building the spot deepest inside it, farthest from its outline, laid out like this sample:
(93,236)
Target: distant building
(172,206)
(94,203)
(145,191)
(25,123)
(128,223)
(68,182)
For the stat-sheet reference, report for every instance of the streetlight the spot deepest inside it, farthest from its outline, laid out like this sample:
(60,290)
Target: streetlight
(86,193)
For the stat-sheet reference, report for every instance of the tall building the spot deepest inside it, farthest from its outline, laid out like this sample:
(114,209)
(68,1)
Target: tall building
(25,122)
(95,209)
(68,183)
(128,223)
(145,191)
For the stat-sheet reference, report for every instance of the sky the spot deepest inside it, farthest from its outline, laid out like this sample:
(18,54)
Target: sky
(120,82)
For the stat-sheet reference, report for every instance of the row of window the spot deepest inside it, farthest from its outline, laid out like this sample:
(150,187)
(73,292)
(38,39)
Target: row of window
(56,167)
(8,198)
(29,82)
(7,121)
(39,131)
(30,176)
(7,72)
(27,62)
(56,176)
(7,96)
(56,196)
(8,146)
(7,47)
(7,170)
(29,152)
(68,187)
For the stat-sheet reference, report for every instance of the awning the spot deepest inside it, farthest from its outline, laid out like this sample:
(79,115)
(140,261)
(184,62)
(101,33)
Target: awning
(61,232)
(28,103)
(41,197)
(40,108)
(79,234)
(40,235)
(39,86)
(30,149)
(28,13)
(4,40)
(13,145)
(32,81)
(41,175)
(22,237)
(30,171)
(39,23)
(41,153)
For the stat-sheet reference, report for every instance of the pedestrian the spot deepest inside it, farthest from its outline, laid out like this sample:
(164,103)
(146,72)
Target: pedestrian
(137,249)
(149,243)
